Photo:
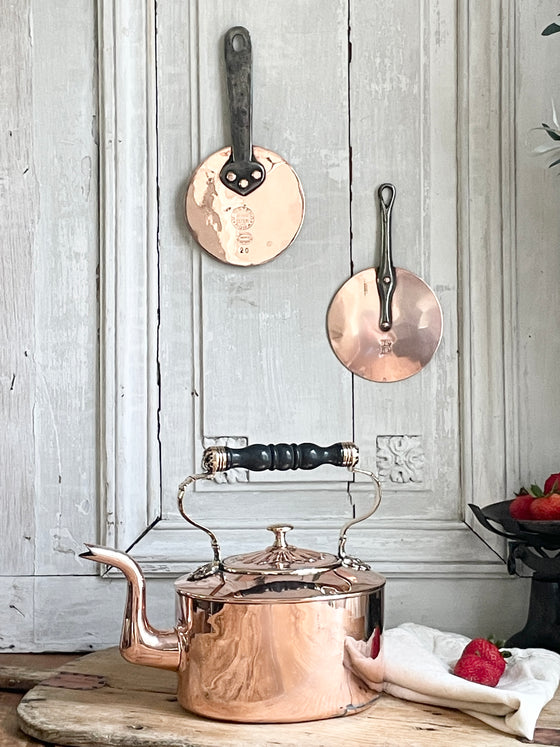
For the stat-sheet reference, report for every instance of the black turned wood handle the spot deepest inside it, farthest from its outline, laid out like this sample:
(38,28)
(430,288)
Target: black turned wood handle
(259,457)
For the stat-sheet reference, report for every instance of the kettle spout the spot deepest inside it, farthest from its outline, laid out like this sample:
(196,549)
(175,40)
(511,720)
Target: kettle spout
(140,642)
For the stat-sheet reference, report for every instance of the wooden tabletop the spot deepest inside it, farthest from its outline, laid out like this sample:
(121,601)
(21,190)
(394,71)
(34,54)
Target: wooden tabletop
(137,706)
(13,684)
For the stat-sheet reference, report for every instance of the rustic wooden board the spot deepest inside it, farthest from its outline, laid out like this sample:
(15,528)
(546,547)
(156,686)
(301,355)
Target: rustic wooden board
(21,679)
(19,673)
(10,735)
(138,708)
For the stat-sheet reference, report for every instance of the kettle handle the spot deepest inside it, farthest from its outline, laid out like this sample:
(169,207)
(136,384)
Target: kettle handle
(259,457)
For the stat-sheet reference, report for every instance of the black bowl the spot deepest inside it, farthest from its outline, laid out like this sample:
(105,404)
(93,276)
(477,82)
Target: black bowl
(537,533)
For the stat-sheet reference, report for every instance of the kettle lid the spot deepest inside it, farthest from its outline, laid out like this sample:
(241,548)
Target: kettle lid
(279,573)
(280,558)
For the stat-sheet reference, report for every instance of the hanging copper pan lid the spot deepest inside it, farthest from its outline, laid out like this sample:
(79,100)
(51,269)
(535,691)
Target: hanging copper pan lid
(385,324)
(244,204)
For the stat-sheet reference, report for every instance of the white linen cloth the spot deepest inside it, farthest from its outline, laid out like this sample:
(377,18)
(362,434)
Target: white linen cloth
(418,665)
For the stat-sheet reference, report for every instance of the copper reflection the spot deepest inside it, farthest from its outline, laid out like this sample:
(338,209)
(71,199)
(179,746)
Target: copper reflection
(368,351)
(272,663)
(246,230)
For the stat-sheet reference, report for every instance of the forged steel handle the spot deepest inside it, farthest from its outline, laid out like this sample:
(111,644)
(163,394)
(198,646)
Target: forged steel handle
(386,276)
(259,457)
(238,57)
(241,173)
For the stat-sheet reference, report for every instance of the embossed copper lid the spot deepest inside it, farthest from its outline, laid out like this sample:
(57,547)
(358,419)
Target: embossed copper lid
(279,573)
(281,558)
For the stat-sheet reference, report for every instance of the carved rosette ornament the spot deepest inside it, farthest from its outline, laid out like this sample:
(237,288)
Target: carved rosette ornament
(400,459)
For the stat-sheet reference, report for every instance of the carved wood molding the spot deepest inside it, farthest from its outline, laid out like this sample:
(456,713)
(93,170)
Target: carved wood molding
(487,267)
(128,273)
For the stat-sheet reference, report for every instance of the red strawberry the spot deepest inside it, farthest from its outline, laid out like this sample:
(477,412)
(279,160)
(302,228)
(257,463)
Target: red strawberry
(520,507)
(376,642)
(552,484)
(471,667)
(482,662)
(487,651)
(546,508)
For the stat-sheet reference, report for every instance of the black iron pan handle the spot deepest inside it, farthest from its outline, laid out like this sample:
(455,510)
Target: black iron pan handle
(241,173)
(260,457)
(386,275)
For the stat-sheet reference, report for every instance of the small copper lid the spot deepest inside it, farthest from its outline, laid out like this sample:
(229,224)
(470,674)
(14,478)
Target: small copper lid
(280,558)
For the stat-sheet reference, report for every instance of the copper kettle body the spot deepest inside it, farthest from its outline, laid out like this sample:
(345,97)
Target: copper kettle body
(262,637)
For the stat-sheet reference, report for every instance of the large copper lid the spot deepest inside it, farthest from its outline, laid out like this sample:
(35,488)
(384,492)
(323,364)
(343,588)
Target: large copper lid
(254,588)
(244,204)
(385,323)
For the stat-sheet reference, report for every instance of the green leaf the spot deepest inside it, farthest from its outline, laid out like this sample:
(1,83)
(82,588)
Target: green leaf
(498,642)
(536,491)
(553,28)
(550,131)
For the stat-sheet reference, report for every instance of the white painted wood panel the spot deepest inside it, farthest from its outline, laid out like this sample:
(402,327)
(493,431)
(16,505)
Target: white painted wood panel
(490,447)
(17,618)
(268,373)
(404,131)
(19,209)
(257,360)
(128,285)
(65,261)
(178,151)
(49,285)
(403,103)
(538,244)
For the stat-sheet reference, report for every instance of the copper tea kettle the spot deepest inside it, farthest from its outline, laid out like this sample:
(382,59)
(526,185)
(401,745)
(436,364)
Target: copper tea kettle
(262,637)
